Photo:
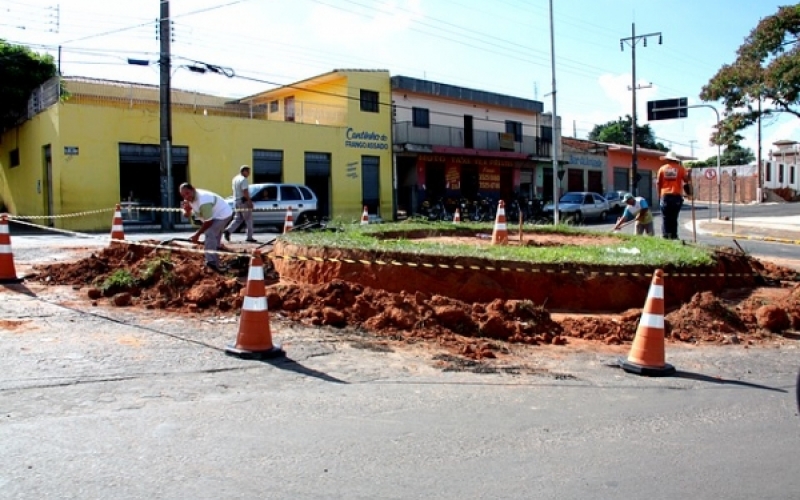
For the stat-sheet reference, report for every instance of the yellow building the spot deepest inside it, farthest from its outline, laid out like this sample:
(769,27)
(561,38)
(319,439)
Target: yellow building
(100,145)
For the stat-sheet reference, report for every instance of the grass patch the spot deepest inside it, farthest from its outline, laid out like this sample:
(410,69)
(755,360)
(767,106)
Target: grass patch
(628,250)
(121,279)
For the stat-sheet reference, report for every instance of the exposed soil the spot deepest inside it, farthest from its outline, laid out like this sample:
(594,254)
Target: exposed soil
(179,282)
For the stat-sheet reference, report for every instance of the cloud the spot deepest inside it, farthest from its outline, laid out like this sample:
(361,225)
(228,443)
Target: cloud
(363,28)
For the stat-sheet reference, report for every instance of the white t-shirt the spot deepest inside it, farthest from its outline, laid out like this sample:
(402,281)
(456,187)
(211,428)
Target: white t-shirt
(239,185)
(207,206)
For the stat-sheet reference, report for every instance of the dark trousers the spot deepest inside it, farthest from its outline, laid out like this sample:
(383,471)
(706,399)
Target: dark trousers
(670,209)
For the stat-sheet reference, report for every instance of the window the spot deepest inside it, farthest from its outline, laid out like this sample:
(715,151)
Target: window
(588,200)
(290,193)
(369,101)
(307,194)
(267,193)
(515,128)
(273,106)
(288,109)
(598,198)
(13,157)
(780,174)
(768,172)
(267,166)
(420,117)
(791,175)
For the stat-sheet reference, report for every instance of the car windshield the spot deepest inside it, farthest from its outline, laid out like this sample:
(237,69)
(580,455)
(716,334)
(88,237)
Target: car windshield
(571,198)
(612,196)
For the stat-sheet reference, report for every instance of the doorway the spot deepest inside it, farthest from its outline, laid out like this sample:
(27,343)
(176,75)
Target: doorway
(318,179)
(140,177)
(371,183)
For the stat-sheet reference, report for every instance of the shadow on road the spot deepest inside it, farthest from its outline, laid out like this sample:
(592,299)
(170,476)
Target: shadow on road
(288,364)
(716,380)
(19,288)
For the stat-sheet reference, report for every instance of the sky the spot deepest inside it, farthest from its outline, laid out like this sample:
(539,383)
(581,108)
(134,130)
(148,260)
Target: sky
(501,46)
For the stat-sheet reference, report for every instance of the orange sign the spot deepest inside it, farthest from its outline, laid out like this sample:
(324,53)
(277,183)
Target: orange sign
(452,176)
(489,178)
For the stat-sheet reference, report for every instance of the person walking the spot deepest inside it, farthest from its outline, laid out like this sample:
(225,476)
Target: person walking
(214,215)
(670,184)
(244,205)
(636,208)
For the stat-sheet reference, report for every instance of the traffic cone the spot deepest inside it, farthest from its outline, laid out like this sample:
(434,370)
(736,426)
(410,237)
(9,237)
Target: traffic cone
(254,340)
(647,352)
(457,217)
(500,232)
(365,216)
(288,223)
(8,273)
(117,233)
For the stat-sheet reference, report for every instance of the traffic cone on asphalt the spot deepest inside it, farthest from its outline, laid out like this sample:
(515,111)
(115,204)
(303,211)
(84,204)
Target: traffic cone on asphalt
(647,352)
(8,273)
(365,216)
(457,217)
(288,223)
(254,340)
(500,232)
(117,233)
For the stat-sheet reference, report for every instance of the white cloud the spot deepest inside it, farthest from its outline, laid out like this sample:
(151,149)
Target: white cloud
(367,29)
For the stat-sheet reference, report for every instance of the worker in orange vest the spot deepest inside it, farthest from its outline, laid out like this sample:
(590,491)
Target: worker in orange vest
(672,179)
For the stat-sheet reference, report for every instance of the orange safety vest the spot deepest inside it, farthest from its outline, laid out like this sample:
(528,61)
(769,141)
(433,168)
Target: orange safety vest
(671,179)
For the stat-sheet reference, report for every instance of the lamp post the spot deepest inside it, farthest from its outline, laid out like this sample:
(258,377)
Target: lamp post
(632,41)
(554,150)
(167,189)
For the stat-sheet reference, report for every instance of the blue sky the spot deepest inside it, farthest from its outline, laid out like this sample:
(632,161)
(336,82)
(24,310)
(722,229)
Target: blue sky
(501,46)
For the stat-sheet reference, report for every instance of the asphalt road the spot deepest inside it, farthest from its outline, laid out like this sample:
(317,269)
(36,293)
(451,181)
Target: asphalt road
(110,403)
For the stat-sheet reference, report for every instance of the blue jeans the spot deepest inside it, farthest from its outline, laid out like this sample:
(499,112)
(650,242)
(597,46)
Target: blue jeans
(670,209)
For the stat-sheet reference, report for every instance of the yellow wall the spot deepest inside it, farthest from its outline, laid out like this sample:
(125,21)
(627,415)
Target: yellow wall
(217,147)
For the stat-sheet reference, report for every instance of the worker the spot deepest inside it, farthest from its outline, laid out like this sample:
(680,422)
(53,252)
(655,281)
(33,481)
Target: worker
(636,208)
(672,178)
(214,214)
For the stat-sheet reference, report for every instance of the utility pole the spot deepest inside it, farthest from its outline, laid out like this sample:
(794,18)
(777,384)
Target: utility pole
(632,41)
(554,149)
(691,145)
(167,189)
(759,184)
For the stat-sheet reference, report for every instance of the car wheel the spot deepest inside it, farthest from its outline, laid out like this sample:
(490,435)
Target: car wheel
(603,215)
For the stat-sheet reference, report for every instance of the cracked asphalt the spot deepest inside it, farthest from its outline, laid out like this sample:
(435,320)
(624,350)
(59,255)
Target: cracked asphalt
(125,403)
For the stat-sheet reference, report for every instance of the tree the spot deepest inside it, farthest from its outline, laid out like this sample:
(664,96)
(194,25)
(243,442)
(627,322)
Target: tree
(619,132)
(733,155)
(767,69)
(21,71)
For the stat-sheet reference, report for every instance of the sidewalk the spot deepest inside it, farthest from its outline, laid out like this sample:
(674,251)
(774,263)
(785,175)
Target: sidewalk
(781,229)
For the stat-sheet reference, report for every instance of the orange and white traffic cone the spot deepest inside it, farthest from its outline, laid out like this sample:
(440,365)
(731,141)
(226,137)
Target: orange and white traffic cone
(254,340)
(288,223)
(8,274)
(457,217)
(500,232)
(647,352)
(365,216)
(117,232)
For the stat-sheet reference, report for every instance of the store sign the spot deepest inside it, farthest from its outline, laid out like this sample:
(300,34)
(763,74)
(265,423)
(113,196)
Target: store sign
(587,161)
(452,176)
(489,178)
(468,160)
(365,140)
(71,150)
(506,141)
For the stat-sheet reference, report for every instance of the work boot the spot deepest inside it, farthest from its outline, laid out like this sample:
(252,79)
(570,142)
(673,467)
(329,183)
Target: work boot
(227,235)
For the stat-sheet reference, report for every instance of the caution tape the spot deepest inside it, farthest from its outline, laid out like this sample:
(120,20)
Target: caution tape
(61,216)
(138,243)
(500,268)
(769,239)
(180,210)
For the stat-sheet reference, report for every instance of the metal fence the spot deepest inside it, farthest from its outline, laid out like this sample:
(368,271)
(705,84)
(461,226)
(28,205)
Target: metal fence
(441,135)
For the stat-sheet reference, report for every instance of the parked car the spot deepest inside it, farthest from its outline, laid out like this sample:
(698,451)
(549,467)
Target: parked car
(271,201)
(580,206)
(614,199)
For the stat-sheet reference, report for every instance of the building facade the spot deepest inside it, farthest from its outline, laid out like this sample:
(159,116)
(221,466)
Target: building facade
(100,145)
(452,143)
(585,166)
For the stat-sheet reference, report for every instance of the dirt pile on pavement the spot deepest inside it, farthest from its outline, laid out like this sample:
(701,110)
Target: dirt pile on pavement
(154,278)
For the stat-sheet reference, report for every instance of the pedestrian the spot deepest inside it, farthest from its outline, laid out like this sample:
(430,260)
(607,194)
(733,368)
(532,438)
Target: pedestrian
(672,178)
(214,215)
(243,204)
(636,208)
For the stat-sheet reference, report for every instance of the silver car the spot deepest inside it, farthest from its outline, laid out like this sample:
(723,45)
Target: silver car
(271,202)
(580,206)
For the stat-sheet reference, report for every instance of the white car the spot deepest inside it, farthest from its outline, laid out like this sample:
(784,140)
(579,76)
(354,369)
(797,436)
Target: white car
(580,206)
(271,201)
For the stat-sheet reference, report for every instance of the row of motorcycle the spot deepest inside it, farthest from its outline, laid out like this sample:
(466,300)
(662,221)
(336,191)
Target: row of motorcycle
(483,209)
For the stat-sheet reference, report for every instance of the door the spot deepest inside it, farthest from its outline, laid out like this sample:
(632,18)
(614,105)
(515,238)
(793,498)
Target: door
(575,179)
(318,179)
(645,186)
(371,184)
(596,182)
(267,166)
(47,155)
(291,198)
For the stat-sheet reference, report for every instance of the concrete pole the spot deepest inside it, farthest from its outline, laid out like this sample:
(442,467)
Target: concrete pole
(167,194)
(554,149)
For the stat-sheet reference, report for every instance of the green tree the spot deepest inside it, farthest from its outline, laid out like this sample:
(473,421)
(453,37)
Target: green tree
(21,71)
(766,69)
(619,132)
(733,155)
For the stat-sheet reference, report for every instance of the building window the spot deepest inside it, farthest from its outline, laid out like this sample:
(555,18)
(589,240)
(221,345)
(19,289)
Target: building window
(768,172)
(288,109)
(369,101)
(515,128)
(780,173)
(267,166)
(273,106)
(791,175)
(13,157)
(420,117)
